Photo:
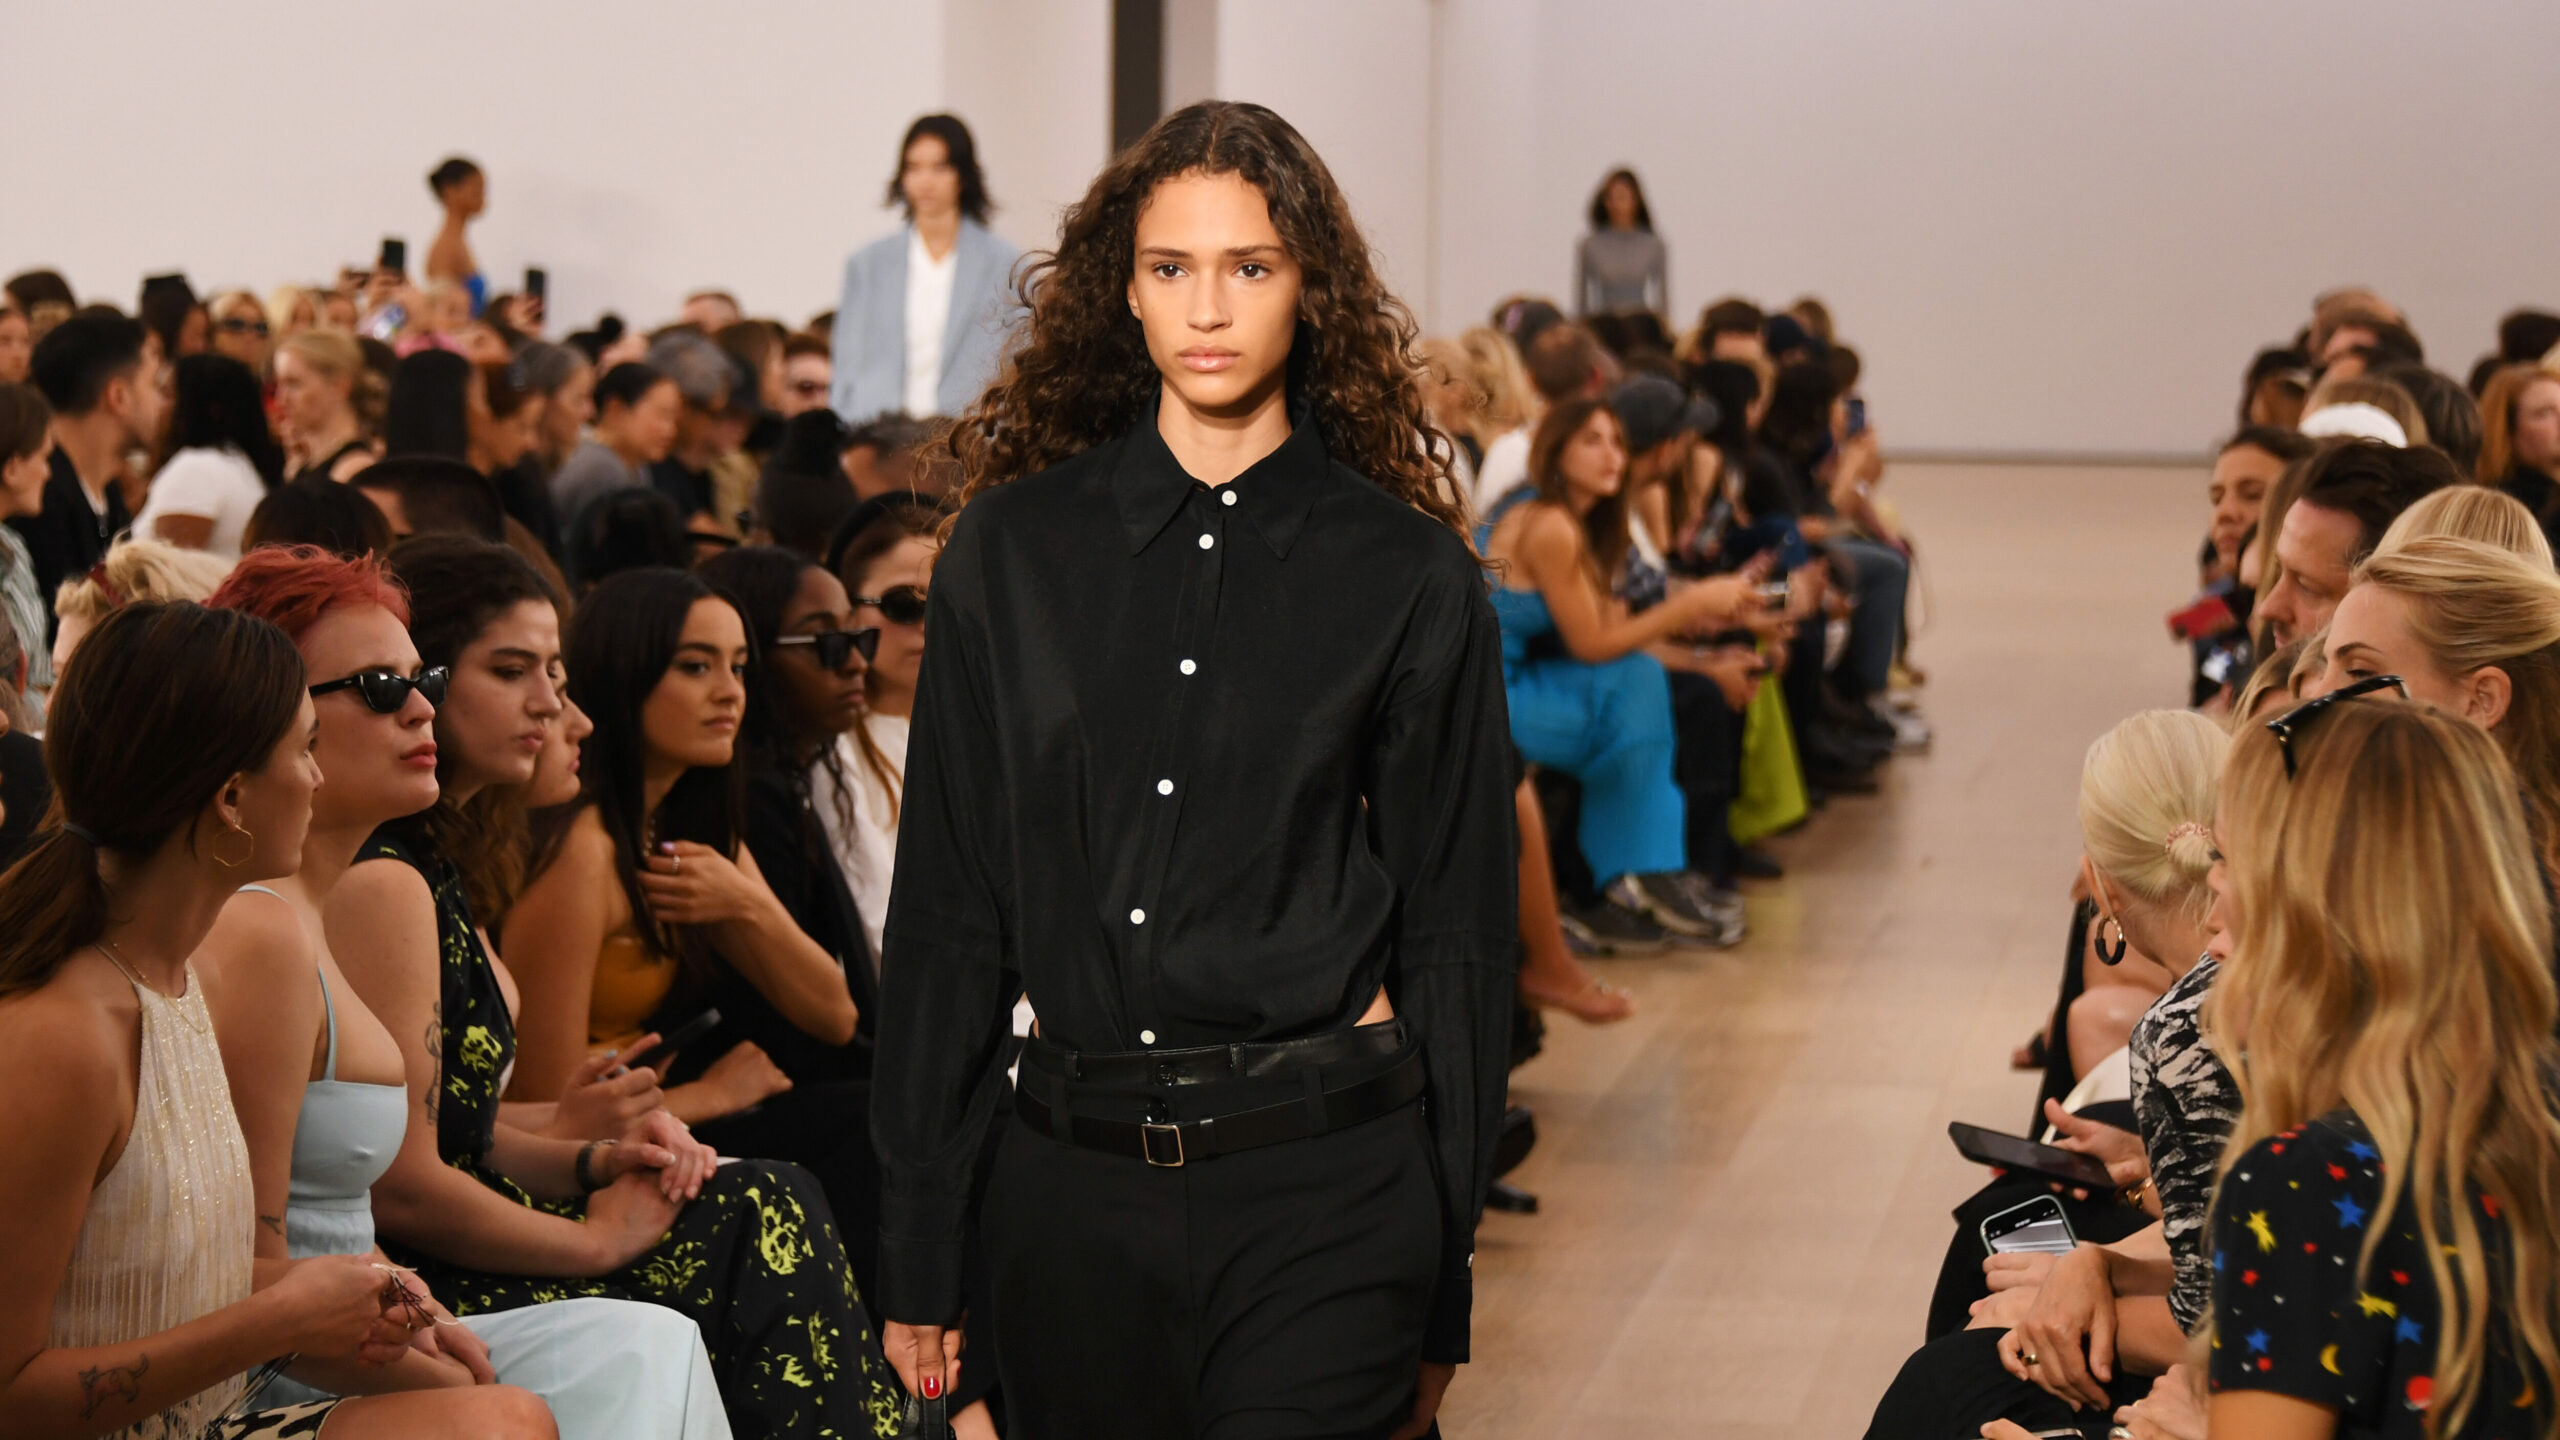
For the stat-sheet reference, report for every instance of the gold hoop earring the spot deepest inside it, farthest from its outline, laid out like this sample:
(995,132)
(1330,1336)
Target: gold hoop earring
(2114,955)
(249,847)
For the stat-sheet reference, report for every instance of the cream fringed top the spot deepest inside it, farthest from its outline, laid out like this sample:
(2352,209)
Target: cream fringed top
(170,1231)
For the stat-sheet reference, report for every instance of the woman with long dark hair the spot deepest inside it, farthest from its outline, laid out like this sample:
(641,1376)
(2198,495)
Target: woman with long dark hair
(1209,759)
(218,461)
(496,1216)
(181,756)
(438,403)
(1621,265)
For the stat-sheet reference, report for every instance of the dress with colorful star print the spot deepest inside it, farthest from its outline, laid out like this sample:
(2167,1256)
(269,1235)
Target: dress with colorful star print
(2290,1314)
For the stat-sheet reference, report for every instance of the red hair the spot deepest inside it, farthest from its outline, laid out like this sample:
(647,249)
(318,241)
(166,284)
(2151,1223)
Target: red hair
(292,586)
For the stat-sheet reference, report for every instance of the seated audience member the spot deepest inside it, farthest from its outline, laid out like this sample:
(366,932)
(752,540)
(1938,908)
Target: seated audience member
(438,400)
(2527,336)
(430,495)
(495,1217)
(2273,392)
(2474,631)
(1732,329)
(1453,402)
(239,329)
(703,379)
(134,570)
(566,381)
(636,409)
(218,461)
(26,431)
(2520,440)
(2350,492)
(2248,467)
(293,310)
(804,493)
(17,344)
(504,434)
(104,378)
(2471,512)
(755,347)
(169,309)
(1585,699)
(2363,408)
(328,403)
(181,755)
(2446,411)
(884,554)
(630,529)
(316,1079)
(24,790)
(709,311)
(2363,340)
(808,373)
(318,511)
(1511,406)
(881,456)
(2386,1218)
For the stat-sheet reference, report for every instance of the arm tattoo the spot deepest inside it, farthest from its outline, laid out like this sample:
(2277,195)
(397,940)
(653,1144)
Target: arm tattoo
(274,1223)
(106,1383)
(435,1060)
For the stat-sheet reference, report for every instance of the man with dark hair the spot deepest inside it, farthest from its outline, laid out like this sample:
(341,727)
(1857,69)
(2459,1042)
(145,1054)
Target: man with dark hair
(431,495)
(2351,493)
(808,372)
(1730,329)
(1567,362)
(804,492)
(2451,415)
(880,455)
(104,378)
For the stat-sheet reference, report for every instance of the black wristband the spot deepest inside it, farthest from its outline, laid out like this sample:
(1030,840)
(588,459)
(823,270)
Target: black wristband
(586,1174)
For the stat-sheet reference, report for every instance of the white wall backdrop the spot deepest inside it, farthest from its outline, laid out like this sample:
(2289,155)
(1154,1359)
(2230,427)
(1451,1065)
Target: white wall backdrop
(2049,227)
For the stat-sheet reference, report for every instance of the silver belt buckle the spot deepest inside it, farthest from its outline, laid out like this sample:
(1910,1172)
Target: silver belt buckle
(1159,1140)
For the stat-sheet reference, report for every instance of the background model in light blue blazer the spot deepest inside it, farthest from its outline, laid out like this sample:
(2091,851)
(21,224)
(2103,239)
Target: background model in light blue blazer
(871,323)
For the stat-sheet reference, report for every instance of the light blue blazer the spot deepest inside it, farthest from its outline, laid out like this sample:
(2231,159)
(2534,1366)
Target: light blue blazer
(871,323)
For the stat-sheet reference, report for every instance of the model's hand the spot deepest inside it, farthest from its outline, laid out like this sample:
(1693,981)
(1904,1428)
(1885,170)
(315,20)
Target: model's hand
(923,1355)
(1429,1384)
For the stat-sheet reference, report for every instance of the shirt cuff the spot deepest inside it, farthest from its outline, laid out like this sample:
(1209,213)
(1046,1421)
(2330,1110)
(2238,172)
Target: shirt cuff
(1444,1330)
(919,1281)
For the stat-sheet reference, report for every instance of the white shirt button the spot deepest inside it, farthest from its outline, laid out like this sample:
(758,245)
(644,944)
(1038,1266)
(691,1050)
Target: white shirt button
(1148,1037)
(1137,917)
(1227,498)
(1164,787)
(1190,667)
(1208,540)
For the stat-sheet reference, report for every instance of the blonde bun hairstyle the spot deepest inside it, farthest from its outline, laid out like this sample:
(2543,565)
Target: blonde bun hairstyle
(2147,793)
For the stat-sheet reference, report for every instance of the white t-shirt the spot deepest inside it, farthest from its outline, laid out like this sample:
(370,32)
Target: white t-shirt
(929,283)
(1506,463)
(215,485)
(867,851)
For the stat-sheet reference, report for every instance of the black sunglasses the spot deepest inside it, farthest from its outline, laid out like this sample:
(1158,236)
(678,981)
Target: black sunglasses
(384,692)
(901,604)
(234,325)
(835,647)
(2289,724)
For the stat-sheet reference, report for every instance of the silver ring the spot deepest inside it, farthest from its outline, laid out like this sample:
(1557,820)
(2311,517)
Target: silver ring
(675,864)
(2119,1432)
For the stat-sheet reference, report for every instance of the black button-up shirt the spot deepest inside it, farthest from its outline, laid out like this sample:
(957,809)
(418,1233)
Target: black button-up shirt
(1194,766)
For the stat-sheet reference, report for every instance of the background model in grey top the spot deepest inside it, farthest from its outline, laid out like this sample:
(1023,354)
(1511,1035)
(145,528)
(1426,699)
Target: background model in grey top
(2185,1102)
(1618,270)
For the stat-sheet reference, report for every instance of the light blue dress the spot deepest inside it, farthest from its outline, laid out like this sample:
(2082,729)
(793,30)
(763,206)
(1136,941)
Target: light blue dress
(609,1369)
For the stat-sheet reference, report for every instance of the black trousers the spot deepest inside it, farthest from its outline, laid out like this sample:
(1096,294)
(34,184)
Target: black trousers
(1955,1385)
(1275,1292)
(2102,1220)
(1708,768)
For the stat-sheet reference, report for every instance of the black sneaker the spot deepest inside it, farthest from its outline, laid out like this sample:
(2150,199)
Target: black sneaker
(1610,929)
(1750,862)
(1679,904)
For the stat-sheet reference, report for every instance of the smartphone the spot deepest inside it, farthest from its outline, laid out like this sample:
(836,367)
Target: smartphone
(656,1056)
(2032,1227)
(1774,594)
(1857,415)
(2204,619)
(395,255)
(2047,1162)
(537,283)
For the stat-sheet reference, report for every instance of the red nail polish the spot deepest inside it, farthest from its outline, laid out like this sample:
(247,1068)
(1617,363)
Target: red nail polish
(933,1387)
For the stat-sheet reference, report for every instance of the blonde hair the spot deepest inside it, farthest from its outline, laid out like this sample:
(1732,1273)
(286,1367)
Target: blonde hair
(2146,807)
(336,354)
(2382,395)
(1494,364)
(2393,957)
(138,569)
(2471,512)
(283,300)
(2473,605)
(2498,400)
(2273,675)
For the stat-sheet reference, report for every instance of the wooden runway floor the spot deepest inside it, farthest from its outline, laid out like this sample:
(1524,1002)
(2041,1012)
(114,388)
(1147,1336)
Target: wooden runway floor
(1746,1187)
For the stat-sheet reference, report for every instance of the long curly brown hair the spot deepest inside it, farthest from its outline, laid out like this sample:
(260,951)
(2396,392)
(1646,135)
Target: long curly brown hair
(1081,374)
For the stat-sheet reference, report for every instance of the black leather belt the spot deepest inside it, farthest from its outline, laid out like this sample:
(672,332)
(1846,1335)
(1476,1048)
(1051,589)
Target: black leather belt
(1173,1143)
(1208,1064)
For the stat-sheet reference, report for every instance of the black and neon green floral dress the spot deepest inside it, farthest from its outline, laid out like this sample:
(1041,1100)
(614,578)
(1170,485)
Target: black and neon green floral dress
(754,1260)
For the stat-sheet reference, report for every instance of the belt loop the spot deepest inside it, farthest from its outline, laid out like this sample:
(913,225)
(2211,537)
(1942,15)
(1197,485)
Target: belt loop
(1072,1062)
(1062,1120)
(1311,1080)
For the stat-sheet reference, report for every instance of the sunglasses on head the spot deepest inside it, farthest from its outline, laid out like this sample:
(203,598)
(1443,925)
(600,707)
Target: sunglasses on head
(385,692)
(836,647)
(900,604)
(2289,724)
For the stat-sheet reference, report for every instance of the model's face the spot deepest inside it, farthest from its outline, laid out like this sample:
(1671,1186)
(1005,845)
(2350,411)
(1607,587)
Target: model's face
(2238,490)
(908,565)
(1593,462)
(17,347)
(1620,201)
(555,771)
(506,691)
(380,767)
(468,196)
(1216,293)
(818,702)
(928,180)
(690,719)
(2537,426)
(22,480)
(2316,548)
(309,399)
(274,803)
(805,379)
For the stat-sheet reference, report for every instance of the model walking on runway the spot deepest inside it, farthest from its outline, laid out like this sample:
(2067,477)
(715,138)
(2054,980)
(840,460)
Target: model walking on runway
(1210,758)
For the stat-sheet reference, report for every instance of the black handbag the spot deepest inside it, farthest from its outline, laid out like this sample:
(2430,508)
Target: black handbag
(927,1419)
